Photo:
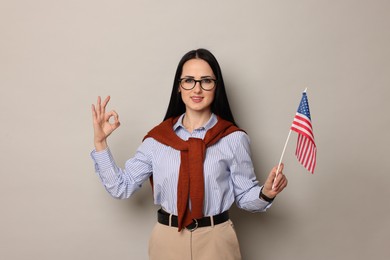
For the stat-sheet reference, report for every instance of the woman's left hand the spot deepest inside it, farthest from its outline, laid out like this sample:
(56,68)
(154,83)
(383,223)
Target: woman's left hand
(275,183)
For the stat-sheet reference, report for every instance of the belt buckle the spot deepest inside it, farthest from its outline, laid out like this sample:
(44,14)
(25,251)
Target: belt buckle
(194,221)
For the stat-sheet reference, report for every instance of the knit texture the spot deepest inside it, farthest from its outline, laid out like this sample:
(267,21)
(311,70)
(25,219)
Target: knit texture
(192,155)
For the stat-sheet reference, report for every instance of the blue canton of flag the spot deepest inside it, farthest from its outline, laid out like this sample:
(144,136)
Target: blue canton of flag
(306,150)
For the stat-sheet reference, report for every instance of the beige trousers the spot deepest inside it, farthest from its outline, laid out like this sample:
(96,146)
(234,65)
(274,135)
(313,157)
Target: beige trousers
(214,243)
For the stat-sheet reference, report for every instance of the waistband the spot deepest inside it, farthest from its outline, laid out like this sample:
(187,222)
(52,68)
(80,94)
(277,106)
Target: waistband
(167,219)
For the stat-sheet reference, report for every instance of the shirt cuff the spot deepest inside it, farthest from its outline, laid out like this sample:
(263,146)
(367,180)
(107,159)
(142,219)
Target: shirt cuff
(103,159)
(262,204)
(254,203)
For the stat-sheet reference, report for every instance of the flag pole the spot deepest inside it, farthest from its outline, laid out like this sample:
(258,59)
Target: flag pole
(281,157)
(284,148)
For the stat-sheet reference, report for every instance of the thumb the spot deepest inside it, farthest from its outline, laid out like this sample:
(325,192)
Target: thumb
(272,175)
(270,179)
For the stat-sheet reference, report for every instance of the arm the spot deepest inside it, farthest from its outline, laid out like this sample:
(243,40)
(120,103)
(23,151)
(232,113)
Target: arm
(246,187)
(120,183)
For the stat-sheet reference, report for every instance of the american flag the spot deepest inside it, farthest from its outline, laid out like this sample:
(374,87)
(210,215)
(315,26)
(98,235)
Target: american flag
(306,150)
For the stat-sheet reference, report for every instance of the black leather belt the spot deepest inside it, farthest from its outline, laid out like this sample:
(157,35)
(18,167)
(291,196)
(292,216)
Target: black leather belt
(163,218)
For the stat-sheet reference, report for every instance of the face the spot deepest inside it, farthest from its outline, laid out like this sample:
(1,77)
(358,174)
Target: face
(197,99)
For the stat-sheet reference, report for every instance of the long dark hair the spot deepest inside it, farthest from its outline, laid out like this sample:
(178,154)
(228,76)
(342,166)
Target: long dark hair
(220,105)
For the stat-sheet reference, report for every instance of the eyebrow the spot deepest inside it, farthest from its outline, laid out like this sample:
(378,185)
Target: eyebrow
(203,77)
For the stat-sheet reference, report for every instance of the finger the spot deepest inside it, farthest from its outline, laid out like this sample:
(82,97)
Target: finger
(282,183)
(271,177)
(276,170)
(98,104)
(105,102)
(116,122)
(111,114)
(93,112)
(116,117)
(279,169)
(275,184)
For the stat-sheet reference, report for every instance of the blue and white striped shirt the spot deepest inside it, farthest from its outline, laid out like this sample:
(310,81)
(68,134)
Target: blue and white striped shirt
(228,172)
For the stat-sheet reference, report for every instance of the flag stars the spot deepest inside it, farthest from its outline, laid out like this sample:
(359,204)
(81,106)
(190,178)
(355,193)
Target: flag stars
(304,107)
(306,150)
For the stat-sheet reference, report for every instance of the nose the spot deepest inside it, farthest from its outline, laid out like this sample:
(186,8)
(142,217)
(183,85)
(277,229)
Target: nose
(197,87)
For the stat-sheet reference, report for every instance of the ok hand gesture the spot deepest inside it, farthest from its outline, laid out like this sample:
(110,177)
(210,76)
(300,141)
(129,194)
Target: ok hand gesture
(101,123)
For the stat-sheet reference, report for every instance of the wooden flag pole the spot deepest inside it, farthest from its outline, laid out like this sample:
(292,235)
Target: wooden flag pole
(284,149)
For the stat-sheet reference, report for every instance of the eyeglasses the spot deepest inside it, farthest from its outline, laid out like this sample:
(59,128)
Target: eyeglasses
(189,83)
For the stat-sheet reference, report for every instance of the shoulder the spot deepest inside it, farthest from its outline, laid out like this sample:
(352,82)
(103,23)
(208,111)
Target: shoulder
(236,140)
(238,137)
(238,134)
(154,145)
(151,142)
(160,129)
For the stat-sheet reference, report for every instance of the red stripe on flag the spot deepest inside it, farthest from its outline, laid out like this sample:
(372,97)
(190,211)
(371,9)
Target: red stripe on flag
(306,150)
(304,126)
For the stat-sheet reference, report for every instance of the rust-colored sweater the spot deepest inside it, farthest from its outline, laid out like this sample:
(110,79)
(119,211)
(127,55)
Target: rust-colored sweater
(192,155)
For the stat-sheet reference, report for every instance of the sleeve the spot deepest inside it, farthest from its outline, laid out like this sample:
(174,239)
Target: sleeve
(122,183)
(245,184)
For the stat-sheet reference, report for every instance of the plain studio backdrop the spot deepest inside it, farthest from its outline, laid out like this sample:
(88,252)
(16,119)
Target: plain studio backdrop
(56,57)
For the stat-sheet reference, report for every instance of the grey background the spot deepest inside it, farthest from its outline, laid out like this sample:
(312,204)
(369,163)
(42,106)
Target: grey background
(56,57)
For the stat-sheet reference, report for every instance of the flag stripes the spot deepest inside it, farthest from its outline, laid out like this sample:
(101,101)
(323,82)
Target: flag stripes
(302,125)
(306,150)
(306,153)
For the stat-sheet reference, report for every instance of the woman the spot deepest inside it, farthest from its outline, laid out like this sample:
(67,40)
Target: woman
(198,161)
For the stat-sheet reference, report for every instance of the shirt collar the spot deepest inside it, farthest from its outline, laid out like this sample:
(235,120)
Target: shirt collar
(212,121)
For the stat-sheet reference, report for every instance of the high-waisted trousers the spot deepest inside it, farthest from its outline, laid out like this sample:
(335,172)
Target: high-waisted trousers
(214,243)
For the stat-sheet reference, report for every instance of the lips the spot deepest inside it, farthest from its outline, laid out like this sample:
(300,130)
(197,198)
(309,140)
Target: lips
(197,99)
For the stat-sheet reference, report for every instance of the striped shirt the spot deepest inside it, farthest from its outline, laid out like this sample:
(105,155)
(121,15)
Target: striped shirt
(228,172)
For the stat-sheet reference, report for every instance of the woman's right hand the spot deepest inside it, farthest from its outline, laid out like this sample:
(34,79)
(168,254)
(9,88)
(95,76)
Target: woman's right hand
(101,123)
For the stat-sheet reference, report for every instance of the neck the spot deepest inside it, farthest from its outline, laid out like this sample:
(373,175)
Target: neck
(192,121)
